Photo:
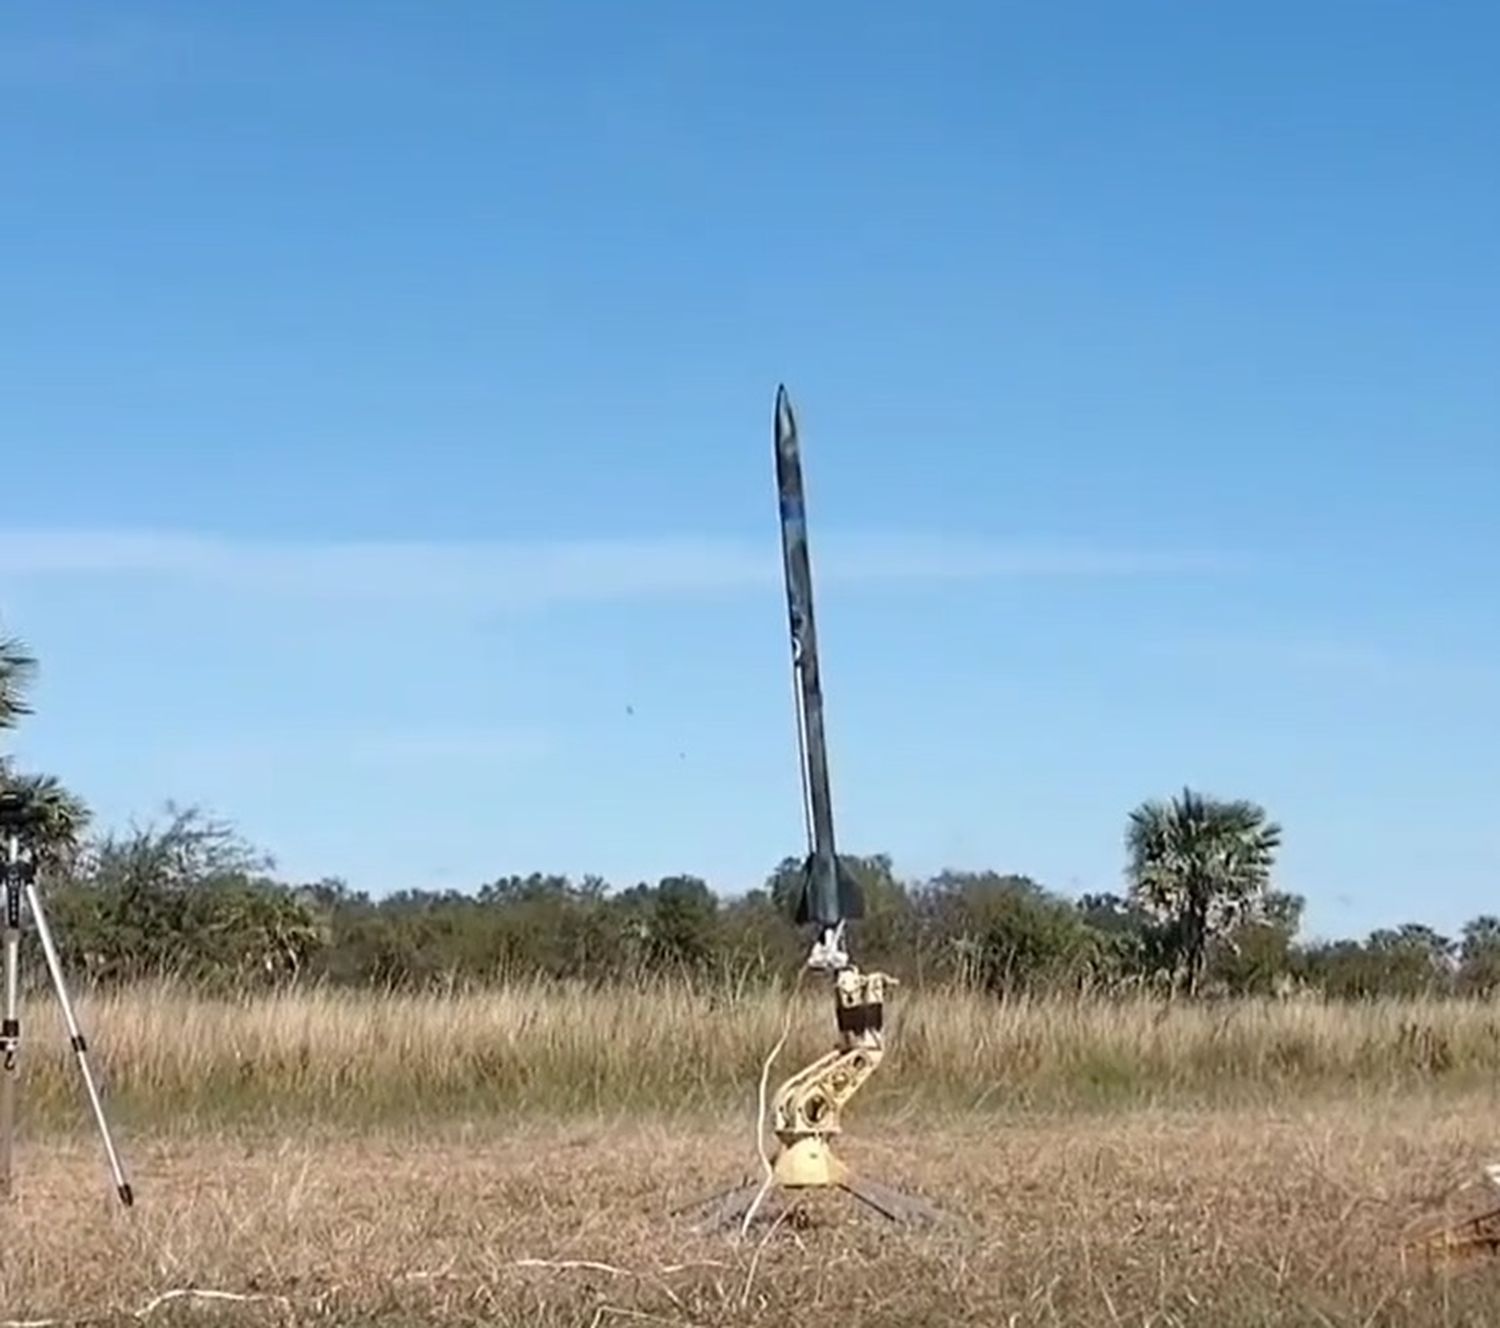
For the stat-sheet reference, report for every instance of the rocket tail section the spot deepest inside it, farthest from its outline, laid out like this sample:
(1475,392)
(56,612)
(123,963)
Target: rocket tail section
(850,898)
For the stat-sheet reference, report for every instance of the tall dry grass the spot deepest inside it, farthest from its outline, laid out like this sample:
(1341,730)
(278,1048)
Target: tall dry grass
(354,1057)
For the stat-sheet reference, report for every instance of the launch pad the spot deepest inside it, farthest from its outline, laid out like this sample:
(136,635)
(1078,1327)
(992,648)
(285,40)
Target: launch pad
(806,1117)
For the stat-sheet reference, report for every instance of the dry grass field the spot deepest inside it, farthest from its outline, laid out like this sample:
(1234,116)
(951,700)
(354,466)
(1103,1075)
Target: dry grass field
(515,1159)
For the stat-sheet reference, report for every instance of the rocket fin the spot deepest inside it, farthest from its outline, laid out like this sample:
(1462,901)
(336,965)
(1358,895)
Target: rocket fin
(851,899)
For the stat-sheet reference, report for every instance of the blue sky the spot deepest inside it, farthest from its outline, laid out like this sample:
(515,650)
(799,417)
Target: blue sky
(385,399)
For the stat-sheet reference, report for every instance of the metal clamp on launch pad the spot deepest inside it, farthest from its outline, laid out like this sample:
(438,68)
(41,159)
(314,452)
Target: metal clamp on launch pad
(860,1005)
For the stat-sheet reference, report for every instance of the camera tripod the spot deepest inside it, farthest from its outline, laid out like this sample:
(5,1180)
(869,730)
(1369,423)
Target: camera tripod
(18,873)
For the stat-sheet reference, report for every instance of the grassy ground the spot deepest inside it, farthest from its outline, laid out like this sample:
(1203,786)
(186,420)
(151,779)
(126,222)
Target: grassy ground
(1232,1188)
(1144,1217)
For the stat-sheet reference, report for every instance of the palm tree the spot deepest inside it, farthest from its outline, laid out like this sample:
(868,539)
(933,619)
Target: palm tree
(17,669)
(1199,866)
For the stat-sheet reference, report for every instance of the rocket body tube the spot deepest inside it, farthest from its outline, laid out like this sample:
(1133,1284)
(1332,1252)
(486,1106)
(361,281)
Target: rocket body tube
(829,895)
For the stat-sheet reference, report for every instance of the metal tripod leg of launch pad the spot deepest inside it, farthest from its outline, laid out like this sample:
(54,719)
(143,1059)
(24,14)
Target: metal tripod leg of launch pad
(806,1116)
(18,879)
(729,1210)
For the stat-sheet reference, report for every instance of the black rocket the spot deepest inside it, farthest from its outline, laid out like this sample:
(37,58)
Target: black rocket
(829,894)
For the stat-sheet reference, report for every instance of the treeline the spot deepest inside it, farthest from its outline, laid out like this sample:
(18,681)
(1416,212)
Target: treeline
(1199,915)
(190,900)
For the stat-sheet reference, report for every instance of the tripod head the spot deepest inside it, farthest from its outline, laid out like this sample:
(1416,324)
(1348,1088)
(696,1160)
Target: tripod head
(19,813)
(19,818)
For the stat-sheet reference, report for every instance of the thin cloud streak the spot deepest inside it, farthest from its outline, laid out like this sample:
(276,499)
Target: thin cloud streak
(521,574)
(1342,661)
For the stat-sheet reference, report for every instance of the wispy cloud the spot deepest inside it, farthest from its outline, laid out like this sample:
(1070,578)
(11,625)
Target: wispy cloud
(1341,660)
(481,574)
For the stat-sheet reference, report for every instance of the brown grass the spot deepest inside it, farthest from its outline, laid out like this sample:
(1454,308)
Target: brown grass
(357,1161)
(1146,1218)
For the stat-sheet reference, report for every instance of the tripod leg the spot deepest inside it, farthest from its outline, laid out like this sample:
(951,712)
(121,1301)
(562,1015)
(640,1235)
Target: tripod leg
(10,1039)
(80,1048)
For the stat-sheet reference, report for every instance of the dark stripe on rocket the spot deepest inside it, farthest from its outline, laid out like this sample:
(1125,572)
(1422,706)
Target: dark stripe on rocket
(830,895)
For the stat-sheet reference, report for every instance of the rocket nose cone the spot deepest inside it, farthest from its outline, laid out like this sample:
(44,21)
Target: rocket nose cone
(786,424)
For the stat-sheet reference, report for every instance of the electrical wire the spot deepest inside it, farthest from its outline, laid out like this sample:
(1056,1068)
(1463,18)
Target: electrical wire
(760,1114)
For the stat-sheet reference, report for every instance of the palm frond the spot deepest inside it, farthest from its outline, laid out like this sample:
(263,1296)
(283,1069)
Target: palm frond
(17,671)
